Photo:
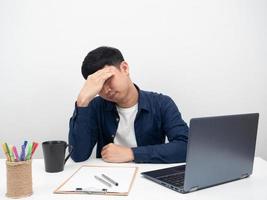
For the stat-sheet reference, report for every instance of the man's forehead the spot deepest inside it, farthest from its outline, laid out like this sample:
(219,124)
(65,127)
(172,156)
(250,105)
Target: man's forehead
(111,67)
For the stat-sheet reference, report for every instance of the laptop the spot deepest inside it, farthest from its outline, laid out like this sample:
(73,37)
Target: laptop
(220,149)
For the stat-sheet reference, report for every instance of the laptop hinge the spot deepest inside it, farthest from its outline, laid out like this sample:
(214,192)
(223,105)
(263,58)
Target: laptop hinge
(244,175)
(193,189)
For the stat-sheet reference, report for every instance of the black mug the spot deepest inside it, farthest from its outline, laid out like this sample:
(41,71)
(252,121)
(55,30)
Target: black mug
(54,155)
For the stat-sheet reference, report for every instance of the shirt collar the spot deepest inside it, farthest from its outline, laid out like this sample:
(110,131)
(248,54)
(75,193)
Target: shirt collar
(142,102)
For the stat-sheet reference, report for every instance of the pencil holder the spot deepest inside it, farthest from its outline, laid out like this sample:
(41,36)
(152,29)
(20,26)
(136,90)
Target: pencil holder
(19,179)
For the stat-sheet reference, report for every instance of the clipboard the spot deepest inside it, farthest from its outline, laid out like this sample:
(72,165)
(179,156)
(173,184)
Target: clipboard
(83,180)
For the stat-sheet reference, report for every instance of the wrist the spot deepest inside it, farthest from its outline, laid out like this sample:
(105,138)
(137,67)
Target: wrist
(131,155)
(83,101)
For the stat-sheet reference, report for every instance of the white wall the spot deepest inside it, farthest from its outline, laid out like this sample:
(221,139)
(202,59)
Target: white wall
(208,55)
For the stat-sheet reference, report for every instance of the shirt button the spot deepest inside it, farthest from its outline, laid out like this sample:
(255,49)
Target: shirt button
(117,119)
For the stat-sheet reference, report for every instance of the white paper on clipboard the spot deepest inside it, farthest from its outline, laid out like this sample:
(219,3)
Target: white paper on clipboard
(84,177)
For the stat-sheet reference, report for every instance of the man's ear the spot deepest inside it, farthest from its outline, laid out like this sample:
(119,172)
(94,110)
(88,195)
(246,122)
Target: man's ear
(124,67)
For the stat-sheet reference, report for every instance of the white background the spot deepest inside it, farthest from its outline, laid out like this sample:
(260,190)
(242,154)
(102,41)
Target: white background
(209,56)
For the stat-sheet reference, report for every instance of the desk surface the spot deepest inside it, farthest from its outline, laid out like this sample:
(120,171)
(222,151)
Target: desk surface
(254,187)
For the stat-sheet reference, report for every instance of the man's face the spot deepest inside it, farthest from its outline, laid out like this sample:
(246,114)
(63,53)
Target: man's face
(116,87)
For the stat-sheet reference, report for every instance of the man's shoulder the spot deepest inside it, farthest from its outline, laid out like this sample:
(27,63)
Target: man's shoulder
(154,96)
(155,101)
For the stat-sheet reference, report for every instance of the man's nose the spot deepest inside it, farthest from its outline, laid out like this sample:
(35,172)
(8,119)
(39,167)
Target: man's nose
(106,88)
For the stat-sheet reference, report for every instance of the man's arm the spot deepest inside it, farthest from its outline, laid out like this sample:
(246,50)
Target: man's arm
(82,133)
(177,132)
(174,151)
(83,126)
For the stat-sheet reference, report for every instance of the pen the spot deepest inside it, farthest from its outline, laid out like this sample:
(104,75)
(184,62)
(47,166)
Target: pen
(14,149)
(23,147)
(29,152)
(103,181)
(5,151)
(8,152)
(110,180)
(11,153)
(34,147)
(22,154)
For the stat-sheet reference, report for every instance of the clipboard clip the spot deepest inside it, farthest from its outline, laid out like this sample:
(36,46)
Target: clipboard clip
(92,190)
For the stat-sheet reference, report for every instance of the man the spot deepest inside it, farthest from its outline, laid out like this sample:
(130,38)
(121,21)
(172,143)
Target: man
(127,124)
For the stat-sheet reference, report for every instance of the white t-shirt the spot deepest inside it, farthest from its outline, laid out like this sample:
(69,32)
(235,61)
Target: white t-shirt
(125,135)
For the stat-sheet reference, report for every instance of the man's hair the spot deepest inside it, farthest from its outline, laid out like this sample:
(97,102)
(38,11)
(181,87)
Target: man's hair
(98,58)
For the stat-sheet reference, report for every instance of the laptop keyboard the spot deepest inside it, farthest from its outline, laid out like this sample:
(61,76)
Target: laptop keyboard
(176,179)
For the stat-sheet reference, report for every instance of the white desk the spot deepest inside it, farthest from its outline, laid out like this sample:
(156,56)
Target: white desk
(252,188)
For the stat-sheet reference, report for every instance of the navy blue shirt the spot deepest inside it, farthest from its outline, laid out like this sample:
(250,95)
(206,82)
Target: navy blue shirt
(157,118)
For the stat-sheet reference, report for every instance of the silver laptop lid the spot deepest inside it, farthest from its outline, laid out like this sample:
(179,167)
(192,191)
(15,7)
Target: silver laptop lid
(220,149)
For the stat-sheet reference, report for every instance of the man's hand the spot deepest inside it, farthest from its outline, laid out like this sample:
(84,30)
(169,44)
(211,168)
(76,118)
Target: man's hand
(93,86)
(116,153)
